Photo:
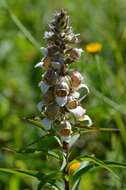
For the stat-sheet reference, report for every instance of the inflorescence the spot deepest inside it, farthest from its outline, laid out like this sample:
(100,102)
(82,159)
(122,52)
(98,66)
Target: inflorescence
(60,85)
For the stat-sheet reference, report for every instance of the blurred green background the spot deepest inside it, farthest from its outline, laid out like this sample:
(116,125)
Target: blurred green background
(22,24)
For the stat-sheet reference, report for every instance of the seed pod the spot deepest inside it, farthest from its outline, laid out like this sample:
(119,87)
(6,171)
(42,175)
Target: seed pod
(52,111)
(50,77)
(76,79)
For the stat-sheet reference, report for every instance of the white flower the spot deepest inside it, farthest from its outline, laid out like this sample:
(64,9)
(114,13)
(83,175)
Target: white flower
(87,120)
(43,86)
(79,51)
(40,64)
(78,112)
(40,105)
(48,35)
(44,51)
(61,101)
(47,123)
(76,79)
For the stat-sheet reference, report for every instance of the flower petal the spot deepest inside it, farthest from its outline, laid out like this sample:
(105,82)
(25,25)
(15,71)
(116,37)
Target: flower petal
(44,51)
(84,86)
(40,64)
(73,140)
(47,124)
(79,51)
(40,106)
(78,111)
(76,94)
(61,101)
(85,90)
(87,120)
(48,35)
(66,138)
(43,86)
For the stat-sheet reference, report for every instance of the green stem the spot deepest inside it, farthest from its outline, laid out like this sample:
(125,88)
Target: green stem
(66,184)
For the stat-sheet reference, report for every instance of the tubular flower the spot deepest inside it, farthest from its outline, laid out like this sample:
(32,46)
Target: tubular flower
(60,85)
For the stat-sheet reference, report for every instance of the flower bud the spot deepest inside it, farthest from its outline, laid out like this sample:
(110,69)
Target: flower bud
(73,167)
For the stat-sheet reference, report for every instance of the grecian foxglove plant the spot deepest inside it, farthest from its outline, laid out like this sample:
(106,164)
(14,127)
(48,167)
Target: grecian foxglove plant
(61,117)
(61,101)
(60,106)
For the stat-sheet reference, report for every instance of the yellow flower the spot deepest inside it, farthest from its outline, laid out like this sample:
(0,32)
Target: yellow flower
(93,48)
(73,166)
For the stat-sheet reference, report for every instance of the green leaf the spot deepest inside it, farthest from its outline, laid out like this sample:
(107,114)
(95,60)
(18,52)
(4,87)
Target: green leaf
(59,184)
(115,164)
(48,143)
(76,184)
(17,171)
(98,162)
(81,171)
(50,178)
(36,121)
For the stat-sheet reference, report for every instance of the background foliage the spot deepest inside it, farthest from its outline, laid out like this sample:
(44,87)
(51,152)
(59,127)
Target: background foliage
(22,24)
